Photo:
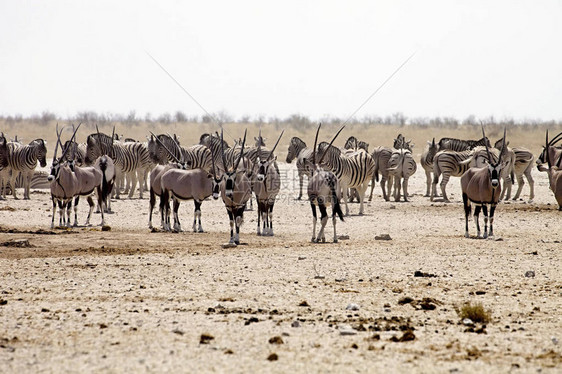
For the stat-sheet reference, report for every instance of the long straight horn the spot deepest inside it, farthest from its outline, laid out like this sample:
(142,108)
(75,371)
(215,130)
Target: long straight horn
(275,146)
(315,143)
(222,151)
(166,148)
(100,142)
(329,145)
(213,165)
(546,150)
(241,151)
(178,148)
(486,143)
(503,145)
(58,141)
(259,145)
(556,139)
(70,143)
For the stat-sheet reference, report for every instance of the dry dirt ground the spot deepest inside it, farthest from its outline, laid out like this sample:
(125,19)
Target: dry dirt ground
(130,300)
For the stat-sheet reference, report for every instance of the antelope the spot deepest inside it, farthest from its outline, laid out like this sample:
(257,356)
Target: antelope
(3,152)
(181,184)
(323,189)
(556,152)
(235,190)
(105,165)
(266,187)
(482,187)
(69,181)
(554,172)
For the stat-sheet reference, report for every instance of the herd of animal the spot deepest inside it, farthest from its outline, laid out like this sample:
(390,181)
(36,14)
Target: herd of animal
(106,166)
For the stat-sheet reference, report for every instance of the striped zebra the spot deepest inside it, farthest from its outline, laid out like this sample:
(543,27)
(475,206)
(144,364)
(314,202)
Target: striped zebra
(401,166)
(448,163)
(23,159)
(215,145)
(522,164)
(460,145)
(129,158)
(353,170)
(353,143)
(76,152)
(426,162)
(196,156)
(299,150)
(401,143)
(381,156)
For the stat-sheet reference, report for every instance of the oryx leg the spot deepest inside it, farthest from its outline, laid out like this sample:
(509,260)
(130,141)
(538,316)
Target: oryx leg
(151,203)
(61,213)
(301,177)
(101,204)
(54,211)
(477,209)
(259,218)
(334,221)
(428,183)
(520,184)
(197,217)
(467,209)
(485,211)
(323,221)
(314,219)
(492,210)
(270,218)
(76,200)
(165,210)
(91,206)
(444,182)
(177,224)
(231,219)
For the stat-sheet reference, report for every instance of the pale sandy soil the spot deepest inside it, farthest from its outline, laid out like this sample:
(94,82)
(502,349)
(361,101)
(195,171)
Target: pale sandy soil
(128,300)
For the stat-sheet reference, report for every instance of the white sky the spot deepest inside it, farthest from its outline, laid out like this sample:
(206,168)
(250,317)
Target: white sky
(316,58)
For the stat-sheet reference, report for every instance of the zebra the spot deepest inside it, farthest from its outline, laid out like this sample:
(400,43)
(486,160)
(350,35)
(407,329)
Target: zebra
(298,150)
(216,146)
(400,143)
(460,145)
(401,166)
(353,170)
(196,156)
(76,149)
(23,159)
(381,156)
(449,163)
(353,143)
(426,162)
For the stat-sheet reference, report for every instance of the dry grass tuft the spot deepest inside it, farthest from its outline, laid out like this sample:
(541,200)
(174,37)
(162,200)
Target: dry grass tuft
(476,313)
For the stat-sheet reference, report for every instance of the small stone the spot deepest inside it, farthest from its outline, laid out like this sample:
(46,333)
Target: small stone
(276,340)
(352,306)
(530,274)
(106,228)
(343,237)
(3,302)
(179,332)
(206,338)
(303,303)
(302,257)
(347,330)
(273,357)
(393,206)
(554,340)
(229,245)
(383,237)
(467,322)
(295,324)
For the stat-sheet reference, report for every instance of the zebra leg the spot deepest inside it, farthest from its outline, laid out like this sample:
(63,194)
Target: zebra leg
(485,211)
(444,182)
(133,184)
(492,210)
(344,193)
(467,209)
(13,183)
(520,184)
(531,184)
(301,177)
(388,187)
(372,188)
(76,211)
(324,220)
(140,178)
(405,188)
(177,224)
(314,219)
(26,177)
(477,209)
(397,186)
(384,185)
(360,191)
(428,183)
(91,206)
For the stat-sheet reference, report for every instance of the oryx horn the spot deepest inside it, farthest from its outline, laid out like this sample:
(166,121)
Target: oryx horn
(70,143)
(329,145)
(222,151)
(486,143)
(166,148)
(241,151)
(275,146)
(315,143)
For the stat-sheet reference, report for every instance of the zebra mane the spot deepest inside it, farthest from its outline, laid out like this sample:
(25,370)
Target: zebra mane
(298,141)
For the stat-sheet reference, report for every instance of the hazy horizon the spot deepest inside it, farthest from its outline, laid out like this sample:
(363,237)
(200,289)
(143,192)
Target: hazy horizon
(250,58)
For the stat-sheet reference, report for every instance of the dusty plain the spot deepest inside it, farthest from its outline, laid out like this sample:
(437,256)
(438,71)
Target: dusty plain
(132,300)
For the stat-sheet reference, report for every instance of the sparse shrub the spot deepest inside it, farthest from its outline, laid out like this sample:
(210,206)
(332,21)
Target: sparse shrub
(476,313)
